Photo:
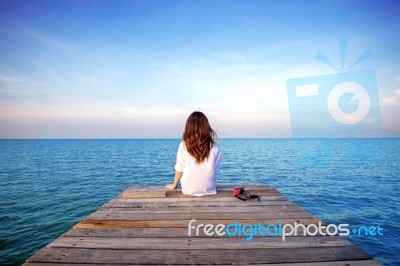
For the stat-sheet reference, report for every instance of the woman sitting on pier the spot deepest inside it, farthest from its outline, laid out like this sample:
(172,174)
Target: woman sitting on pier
(198,158)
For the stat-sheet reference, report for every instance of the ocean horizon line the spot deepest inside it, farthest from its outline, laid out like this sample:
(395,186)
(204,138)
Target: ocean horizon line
(178,138)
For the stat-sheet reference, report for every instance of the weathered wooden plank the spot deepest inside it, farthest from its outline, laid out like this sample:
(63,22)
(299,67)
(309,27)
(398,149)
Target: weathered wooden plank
(226,193)
(147,191)
(149,205)
(132,204)
(117,216)
(215,198)
(248,186)
(210,256)
(144,193)
(220,187)
(330,263)
(184,223)
(198,243)
(237,209)
(143,232)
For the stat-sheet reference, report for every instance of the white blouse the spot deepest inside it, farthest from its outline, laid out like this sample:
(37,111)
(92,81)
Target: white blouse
(198,179)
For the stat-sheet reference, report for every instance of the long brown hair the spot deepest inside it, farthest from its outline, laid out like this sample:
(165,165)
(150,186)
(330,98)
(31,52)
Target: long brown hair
(199,137)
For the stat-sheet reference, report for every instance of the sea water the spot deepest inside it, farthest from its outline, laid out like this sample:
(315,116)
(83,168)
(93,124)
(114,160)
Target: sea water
(47,186)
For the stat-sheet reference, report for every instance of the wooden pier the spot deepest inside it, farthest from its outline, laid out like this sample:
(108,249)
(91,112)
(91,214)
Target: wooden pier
(149,226)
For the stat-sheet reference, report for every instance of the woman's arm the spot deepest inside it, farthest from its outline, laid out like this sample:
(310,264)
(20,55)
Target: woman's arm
(178,176)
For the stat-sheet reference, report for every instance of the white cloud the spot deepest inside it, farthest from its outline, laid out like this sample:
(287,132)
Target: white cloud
(394,99)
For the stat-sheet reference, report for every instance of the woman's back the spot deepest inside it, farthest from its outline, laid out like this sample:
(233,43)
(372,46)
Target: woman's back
(198,179)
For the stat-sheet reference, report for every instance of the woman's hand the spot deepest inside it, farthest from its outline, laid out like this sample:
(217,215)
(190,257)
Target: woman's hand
(170,186)
(178,176)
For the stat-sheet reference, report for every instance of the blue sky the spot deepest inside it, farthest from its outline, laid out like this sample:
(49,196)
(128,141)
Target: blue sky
(137,69)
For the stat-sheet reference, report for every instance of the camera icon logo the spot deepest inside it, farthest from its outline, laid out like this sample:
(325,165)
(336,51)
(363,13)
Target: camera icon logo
(334,105)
